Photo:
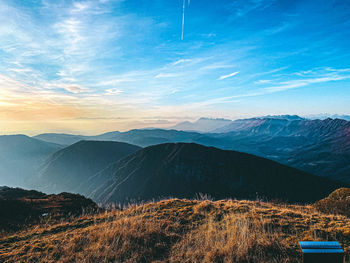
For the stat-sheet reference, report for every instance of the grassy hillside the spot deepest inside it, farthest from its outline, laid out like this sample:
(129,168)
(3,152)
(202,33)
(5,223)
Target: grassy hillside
(179,231)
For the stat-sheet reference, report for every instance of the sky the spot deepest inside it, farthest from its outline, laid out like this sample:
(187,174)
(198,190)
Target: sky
(100,65)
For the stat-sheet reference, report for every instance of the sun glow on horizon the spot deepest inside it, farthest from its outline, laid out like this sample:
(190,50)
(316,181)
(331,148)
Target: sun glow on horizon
(94,66)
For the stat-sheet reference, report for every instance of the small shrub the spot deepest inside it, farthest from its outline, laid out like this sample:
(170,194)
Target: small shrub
(338,202)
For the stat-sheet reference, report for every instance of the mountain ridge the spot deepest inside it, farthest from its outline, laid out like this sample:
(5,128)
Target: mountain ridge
(185,169)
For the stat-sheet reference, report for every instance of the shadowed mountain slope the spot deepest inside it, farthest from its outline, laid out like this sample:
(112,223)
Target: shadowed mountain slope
(21,157)
(183,170)
(68,168)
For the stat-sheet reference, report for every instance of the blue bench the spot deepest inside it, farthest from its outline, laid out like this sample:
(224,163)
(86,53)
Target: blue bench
(322,252)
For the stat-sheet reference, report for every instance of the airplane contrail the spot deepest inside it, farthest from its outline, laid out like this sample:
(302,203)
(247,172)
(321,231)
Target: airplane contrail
(183,19)
(183,16)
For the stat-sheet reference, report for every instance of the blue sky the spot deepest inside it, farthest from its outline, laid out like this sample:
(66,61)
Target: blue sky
(104,65)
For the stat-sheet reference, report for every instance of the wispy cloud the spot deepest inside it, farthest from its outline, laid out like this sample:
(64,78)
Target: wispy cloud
(303,82)
(73,88)
(80,6)
(228,76)
(167,75)
(280,28)
(113,91)
(216,66)
(115,81)
(181,61)
(263,81)
(322,77)
(244,7)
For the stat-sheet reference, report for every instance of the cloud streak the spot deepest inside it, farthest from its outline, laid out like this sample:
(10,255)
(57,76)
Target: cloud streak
(167,75)
(228,76)
(113,91)
(303,82)
(73,88)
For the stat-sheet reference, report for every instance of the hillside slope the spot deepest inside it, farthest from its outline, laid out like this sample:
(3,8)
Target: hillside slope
(180,231)
(21,157)
(68,168)
(184,170)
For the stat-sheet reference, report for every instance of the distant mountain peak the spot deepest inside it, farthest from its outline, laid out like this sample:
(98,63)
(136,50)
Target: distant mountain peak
(283,117)
(332,116)
(212,119)
(203,124)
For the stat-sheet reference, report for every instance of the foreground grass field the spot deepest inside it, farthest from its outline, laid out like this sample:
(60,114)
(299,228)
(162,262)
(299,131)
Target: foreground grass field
(179,231)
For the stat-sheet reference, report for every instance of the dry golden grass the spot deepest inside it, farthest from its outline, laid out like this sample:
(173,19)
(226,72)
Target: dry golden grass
(338,202)
(180,231)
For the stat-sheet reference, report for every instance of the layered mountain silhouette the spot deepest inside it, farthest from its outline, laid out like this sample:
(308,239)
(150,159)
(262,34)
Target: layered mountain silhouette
(20,207)
(66,169)
(186,169)
(61,138)
(142,137)
(320,147)
(21,157)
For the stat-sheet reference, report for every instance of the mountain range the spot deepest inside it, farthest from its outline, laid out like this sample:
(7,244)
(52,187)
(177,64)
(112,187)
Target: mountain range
(106,167)
(320,147)
(220,125)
